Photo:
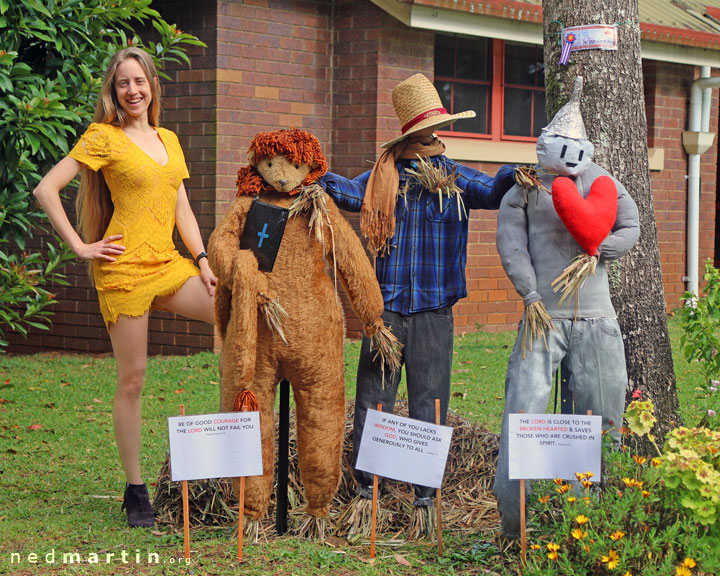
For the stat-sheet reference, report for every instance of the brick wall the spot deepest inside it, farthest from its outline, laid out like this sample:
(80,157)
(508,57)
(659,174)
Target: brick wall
(403,52)
(356,41)
(188,109)
(273,67)
(492,303)
(667,89)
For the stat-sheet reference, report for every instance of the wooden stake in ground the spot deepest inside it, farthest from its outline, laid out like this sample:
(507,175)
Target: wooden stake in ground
(374,508)
(241,518)
(186,507)
(438,492)
(523,535)
(245,401)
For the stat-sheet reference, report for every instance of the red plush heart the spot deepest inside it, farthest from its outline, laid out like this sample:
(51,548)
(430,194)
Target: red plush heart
(590,219)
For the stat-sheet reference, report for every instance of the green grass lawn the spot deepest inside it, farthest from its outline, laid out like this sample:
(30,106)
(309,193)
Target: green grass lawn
(62,482)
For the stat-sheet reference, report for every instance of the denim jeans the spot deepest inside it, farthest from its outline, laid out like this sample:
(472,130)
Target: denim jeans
(427,339)
(593,350)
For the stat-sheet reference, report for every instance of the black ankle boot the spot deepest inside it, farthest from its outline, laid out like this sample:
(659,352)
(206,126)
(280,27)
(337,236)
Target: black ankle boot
(137,503)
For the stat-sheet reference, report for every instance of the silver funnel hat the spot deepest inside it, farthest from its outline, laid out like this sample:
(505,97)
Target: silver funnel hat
(568,121)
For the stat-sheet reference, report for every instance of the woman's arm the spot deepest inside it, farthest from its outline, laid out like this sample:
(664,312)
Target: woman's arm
(47,194)
(190,233)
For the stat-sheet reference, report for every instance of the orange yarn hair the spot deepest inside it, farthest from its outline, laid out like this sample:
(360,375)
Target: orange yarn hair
(298,146)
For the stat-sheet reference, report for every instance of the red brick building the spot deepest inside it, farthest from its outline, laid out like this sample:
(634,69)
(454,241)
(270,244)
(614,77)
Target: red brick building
(329,66)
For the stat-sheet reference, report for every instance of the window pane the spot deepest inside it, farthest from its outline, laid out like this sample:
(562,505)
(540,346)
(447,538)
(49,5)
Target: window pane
(471,97)
(473,59)
(540,117)
(445,91)
(518,111)
(524,64)
(444,55)
(463,73)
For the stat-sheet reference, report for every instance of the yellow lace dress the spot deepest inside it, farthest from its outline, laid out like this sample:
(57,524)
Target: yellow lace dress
(144,195)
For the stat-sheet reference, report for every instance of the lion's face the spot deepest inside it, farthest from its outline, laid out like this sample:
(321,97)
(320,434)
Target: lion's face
(281,173)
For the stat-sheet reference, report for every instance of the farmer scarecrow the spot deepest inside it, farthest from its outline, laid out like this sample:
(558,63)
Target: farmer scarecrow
(414,208)
(556,232)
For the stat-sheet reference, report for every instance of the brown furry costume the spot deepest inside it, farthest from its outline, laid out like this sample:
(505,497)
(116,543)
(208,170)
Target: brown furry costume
(254,357)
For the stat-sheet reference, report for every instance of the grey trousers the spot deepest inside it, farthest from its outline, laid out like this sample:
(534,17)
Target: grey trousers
(593,350)
(427,339)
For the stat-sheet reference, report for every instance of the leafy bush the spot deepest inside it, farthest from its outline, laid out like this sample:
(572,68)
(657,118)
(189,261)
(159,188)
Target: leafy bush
(700,341)
(53,54)
(647,516)
(691,472)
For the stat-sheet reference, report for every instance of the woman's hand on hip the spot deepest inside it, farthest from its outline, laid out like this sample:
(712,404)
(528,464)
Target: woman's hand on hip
(105,249)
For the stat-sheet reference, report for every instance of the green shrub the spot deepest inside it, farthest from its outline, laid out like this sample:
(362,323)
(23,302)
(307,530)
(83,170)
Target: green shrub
(700,320)
(691,472)
(646,517)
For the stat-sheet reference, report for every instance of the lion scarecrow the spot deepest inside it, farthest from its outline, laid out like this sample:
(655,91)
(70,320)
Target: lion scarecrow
(300,337)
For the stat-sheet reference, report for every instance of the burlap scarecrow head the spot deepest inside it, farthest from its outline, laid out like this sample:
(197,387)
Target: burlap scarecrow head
(282,160)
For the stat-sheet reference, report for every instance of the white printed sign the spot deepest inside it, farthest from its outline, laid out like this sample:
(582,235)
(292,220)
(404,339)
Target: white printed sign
(215,446)
(404,449)
(591,37)
(554,446)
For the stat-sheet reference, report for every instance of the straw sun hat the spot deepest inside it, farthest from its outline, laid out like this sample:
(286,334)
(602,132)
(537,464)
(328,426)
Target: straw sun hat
(418,106)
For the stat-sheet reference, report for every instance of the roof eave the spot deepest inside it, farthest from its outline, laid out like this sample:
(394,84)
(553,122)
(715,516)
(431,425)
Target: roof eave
(522,22)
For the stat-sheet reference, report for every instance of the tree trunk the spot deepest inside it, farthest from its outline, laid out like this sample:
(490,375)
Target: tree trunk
(613,109)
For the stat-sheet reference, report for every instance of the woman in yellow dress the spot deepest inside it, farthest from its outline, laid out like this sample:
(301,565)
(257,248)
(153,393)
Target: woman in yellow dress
(130,200)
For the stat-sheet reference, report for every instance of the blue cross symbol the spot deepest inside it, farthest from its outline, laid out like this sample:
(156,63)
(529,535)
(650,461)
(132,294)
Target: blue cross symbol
(263,235)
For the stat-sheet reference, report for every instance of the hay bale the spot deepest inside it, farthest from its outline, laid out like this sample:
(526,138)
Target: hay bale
(468,502)
(211,502)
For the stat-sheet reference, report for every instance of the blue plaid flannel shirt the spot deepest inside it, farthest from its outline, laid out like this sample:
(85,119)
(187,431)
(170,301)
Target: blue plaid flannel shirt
(424,268)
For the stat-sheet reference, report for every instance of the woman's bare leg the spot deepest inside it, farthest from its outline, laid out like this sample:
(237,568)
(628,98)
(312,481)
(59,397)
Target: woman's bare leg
(191,300)
(129,342)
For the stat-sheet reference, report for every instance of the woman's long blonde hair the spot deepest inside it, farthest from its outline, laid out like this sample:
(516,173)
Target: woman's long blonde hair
(94,205)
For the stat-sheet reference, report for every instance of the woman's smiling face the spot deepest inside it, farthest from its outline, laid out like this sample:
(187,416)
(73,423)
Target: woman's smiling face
(132,88)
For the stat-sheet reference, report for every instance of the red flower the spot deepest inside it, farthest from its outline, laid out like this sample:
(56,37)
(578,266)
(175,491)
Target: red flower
(637,394)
